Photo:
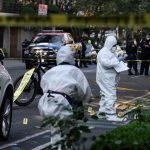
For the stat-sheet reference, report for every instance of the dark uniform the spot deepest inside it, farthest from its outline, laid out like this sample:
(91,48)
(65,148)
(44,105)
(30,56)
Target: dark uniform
(131,50)
(82,56)
(145,56)
(25,44)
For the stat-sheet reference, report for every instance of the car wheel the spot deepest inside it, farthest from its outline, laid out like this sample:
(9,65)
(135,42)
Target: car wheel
(5,118)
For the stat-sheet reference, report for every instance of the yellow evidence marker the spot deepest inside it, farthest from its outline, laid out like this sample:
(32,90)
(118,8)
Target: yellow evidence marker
(25,121)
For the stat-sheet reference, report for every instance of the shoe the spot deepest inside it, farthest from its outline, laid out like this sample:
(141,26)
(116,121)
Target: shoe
(115,118)
(101,115)
(141,73)
(136,73)
(130,73)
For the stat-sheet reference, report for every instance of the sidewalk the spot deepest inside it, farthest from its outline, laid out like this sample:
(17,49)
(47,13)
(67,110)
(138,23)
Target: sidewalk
(10,63)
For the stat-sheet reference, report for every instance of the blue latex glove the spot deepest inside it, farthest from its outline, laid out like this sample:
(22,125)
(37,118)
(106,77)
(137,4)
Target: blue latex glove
(120,59)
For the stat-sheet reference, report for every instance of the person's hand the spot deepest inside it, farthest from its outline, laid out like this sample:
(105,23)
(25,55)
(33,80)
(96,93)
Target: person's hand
(120,59)
(125,56)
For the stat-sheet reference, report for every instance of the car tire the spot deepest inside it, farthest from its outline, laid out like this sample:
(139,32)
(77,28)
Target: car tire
(5,118)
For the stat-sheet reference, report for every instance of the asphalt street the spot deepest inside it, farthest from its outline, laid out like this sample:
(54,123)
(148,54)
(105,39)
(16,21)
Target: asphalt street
(29,135)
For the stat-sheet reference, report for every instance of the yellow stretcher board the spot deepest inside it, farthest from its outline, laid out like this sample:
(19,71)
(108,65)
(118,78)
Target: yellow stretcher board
(23,83)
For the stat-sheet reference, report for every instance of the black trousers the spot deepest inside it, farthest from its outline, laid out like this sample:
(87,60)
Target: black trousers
(82,60)
(132,64)
(144,67)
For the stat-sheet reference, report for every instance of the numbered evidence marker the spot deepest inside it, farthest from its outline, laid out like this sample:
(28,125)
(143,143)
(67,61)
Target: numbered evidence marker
(91,111)
(25,121)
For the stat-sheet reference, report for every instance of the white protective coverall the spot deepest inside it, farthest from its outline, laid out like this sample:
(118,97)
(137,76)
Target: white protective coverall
(107,79)
(65,78)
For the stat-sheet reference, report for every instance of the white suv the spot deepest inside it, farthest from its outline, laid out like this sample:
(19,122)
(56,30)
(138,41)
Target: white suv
(6,100)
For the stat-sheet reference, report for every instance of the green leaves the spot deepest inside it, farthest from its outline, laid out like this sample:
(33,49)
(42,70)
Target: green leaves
(70,129)
(134,136)
(84,129)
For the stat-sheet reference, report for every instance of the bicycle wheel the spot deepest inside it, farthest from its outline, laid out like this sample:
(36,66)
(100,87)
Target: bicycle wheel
(28,94)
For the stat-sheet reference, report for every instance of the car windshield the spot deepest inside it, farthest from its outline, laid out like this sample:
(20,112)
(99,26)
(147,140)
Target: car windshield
(48,39)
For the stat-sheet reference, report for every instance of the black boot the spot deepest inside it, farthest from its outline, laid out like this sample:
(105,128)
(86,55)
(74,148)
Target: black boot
(130,73)
(136,73)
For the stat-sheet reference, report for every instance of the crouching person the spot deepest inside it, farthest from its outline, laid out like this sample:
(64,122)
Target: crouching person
(64,87)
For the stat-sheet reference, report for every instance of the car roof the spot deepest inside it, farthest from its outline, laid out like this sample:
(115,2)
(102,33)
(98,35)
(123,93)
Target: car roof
(53,33)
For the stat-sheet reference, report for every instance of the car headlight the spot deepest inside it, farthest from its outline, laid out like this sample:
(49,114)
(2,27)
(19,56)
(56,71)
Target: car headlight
(45,53)
(39,51)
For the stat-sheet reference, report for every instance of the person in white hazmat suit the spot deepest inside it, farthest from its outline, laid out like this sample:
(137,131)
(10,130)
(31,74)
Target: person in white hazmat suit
(107,79)
(68,87)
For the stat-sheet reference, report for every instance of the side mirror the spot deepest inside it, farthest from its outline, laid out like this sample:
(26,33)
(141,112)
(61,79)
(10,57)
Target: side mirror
(2,55)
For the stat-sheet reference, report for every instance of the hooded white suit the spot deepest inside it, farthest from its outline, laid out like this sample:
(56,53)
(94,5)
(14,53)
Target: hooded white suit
(64,78)
(106,76)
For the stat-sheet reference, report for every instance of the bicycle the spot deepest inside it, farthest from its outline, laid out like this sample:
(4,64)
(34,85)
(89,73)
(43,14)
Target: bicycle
(33,86)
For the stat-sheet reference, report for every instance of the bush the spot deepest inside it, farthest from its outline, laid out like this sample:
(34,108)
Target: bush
(4,50)
(134,136)
(70,130)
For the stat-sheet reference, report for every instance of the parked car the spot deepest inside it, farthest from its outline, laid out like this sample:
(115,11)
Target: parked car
(48,43)
(6,100)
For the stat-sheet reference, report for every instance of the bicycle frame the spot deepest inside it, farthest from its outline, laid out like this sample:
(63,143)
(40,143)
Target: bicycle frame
(33,75)
(38,70)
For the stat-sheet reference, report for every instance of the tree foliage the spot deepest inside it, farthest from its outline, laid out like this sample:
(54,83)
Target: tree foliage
(111,7)
(83,7)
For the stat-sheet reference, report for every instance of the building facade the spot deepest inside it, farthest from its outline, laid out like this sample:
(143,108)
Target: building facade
(11,39)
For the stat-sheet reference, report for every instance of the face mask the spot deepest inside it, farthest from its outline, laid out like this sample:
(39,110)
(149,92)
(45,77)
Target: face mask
(113,49)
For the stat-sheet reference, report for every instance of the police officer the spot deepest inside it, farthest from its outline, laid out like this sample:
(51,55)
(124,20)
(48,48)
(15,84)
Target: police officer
(82,54)
(131,50)
(145,55)
(25,44)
